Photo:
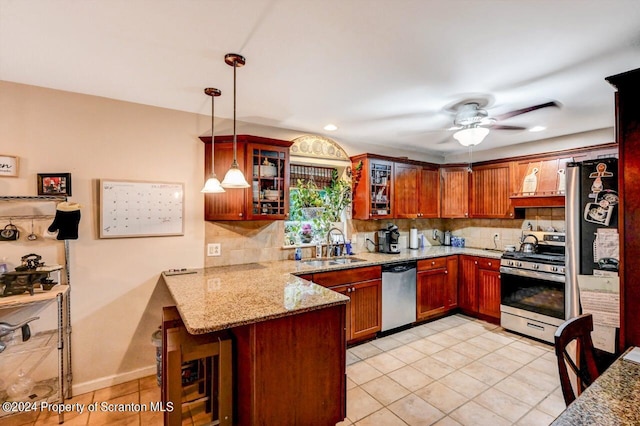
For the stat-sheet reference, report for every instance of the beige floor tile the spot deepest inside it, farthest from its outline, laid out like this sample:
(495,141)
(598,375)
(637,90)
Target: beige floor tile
(406,336)
(385,390)
(385,362)
(442,397)
(360,404)
(362,372)
(407,354)
(485,343)
(382,417)
(410,378)
(446,421)
(464,384)
(150,395)
(20,419)
(415,411)
(432,368)
(424,331)
(115,391)
(441,325)
(516,354)
(466,331)
(49,417)
(529,347)
(151,418)
(501,336)
(352,358)
(345,422)
(425,346)
(365,350)
(473,414)
(502,404)
(484,373)
(536,418)
(469,350)
(523,391)
(541,381)
(386,343)
(351,384)
(443,339)
(546,366)
(452,358)
(553,405)
(505,364)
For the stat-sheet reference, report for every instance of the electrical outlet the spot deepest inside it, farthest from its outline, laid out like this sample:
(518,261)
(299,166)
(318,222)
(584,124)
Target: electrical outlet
(213,249)
(496,236)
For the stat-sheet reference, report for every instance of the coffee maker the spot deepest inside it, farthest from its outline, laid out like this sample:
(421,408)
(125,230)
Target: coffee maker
(387,239)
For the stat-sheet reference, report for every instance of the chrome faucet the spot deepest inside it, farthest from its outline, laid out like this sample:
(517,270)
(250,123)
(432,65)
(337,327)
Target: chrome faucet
(330,244)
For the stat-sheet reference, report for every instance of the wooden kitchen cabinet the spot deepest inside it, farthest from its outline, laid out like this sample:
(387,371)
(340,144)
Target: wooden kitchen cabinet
(372,187)
(416,191)
(454,191)
(491,189)
(489,287)
(436,286)
(364,287)
(479,287)
(549,177)
(265,164)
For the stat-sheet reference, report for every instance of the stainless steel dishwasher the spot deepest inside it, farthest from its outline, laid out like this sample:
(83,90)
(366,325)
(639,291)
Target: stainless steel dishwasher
(398,295)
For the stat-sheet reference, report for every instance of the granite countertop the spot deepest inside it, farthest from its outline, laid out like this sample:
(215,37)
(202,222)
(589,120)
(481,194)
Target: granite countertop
(219,298)
(613,399)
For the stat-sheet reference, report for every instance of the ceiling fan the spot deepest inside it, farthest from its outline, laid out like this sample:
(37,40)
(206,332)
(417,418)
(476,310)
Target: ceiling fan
(472,122)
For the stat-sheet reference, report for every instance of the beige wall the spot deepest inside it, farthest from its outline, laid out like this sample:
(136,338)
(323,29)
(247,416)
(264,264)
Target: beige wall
(116,288)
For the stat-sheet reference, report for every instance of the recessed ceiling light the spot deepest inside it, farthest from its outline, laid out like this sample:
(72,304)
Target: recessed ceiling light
(330,127)
(537,129)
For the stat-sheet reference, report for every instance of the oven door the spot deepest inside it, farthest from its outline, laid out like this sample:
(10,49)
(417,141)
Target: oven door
(538,292)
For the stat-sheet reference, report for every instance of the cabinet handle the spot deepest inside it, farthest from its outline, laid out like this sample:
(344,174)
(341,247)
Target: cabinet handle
(475,261)
(240,214)
(446,272)
(349,290)
(489,263)
(353,289)
(466,214)
(433,262)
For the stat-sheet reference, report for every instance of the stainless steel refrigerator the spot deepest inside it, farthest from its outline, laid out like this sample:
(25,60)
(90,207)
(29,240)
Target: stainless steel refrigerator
(591,211)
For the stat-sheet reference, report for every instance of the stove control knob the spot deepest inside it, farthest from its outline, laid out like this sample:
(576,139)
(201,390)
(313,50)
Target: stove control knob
(554,269)
(519,264)
(535,266)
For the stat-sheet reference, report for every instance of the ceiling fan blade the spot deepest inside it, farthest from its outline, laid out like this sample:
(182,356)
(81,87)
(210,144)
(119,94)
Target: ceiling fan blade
(526,110)
(502,127)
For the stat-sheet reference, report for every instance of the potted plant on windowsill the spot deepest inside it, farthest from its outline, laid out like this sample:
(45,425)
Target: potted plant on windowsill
(337,197)
(306,200)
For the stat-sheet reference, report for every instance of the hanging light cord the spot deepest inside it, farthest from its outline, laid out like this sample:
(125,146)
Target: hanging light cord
(235,162)
(213,110)
(469,169)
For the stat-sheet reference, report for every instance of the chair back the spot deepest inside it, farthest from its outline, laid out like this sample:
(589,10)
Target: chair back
(584,365)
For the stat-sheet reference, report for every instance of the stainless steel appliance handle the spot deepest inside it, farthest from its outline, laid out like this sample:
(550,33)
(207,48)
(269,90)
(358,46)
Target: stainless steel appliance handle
(532,274)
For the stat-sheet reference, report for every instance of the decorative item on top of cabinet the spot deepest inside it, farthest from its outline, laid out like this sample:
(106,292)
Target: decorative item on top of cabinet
(540,182)
(373,191)
(411,179)
(454,190)
(266,161)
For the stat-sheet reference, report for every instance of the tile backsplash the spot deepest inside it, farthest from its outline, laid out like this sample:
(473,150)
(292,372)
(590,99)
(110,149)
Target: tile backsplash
(262,241)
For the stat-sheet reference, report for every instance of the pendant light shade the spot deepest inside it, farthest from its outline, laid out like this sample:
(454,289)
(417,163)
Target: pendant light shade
(234,177)
(212,185)
(471,136)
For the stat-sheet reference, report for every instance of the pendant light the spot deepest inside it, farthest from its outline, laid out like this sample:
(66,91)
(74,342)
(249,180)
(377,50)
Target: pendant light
(234,177)
(471,135)
(212,185)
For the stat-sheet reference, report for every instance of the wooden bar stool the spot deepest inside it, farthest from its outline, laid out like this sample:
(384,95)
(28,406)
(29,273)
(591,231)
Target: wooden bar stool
(215,380)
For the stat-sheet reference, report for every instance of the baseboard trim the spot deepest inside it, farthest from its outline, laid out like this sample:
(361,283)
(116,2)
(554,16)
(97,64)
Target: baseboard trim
(116,379)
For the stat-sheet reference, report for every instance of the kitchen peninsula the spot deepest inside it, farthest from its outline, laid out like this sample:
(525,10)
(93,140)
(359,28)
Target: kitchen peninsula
(288,333)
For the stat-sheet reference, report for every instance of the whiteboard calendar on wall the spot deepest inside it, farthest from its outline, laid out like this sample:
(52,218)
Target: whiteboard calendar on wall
(141,209)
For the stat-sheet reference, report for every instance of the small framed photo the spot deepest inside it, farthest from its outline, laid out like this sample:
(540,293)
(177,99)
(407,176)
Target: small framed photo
(54,184)
(8,166)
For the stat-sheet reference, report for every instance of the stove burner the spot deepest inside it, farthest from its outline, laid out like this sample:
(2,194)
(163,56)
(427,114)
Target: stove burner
(551,259)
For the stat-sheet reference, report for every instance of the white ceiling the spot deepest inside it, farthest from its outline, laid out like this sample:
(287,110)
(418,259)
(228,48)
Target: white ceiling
(382,70)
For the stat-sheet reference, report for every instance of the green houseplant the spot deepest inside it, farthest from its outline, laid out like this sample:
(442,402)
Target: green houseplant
(306,201)
(337,197)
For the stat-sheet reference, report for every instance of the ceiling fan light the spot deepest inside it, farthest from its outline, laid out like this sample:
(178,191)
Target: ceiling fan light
(234,178)
(471,136)
(212,186)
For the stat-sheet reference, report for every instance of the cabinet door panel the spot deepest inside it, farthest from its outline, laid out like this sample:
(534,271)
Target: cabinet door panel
(452,282)
(468,283)
(366,308)
(431,293)
(407,178)
(345,290)
(429,197)
(489,292)
(229,205)
(490,192)
(454,186)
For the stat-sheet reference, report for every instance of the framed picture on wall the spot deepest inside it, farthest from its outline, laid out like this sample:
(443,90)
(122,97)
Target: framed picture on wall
(8,166)
(54,184)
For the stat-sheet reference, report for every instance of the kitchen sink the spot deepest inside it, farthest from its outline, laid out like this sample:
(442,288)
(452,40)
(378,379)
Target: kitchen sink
(331,261)
(345,260)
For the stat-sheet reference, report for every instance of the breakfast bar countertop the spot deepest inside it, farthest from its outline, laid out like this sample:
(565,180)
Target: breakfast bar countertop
(218,298)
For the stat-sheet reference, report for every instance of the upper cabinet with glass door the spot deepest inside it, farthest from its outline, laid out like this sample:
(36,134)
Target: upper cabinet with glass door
(372,187)
(265,164)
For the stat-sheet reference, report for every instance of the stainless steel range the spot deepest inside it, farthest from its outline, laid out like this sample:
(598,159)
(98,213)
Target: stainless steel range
(533,294)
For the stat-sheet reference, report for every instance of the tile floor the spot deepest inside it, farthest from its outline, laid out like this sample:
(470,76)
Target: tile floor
(453,371)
